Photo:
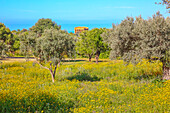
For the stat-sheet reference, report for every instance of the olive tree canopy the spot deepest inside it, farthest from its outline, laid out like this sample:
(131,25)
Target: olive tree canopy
(133,40)
(48,46)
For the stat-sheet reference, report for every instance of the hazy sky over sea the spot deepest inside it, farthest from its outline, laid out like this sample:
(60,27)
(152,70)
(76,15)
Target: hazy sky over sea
(27,12)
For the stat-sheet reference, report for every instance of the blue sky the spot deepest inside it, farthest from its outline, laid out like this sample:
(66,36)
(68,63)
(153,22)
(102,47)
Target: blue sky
(13,11)
(78,9)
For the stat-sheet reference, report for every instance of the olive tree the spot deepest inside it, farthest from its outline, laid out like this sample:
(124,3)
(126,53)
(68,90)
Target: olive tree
(123,39)
(156,41)
(49,48)
(133,40)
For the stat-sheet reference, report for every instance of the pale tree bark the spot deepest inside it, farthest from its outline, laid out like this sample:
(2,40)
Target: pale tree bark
(97,56)
(166,72)
(52,72)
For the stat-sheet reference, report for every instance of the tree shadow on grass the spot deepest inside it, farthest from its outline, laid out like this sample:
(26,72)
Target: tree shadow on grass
(84,77)
(44,102)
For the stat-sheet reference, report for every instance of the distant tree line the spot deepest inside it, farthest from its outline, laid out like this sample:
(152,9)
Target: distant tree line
(131,40)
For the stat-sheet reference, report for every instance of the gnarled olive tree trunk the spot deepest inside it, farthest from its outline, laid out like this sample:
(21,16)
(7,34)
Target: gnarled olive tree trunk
(52,72)
(165,69)
(166,72)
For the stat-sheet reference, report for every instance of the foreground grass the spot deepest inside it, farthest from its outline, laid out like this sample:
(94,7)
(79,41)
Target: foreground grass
(84,87)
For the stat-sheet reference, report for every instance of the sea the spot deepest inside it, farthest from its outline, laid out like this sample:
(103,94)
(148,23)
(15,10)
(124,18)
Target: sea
(67,25)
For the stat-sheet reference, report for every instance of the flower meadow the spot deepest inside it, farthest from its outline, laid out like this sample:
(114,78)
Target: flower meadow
(84,87)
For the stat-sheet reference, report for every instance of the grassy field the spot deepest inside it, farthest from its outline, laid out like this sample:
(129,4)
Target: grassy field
(84,87)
